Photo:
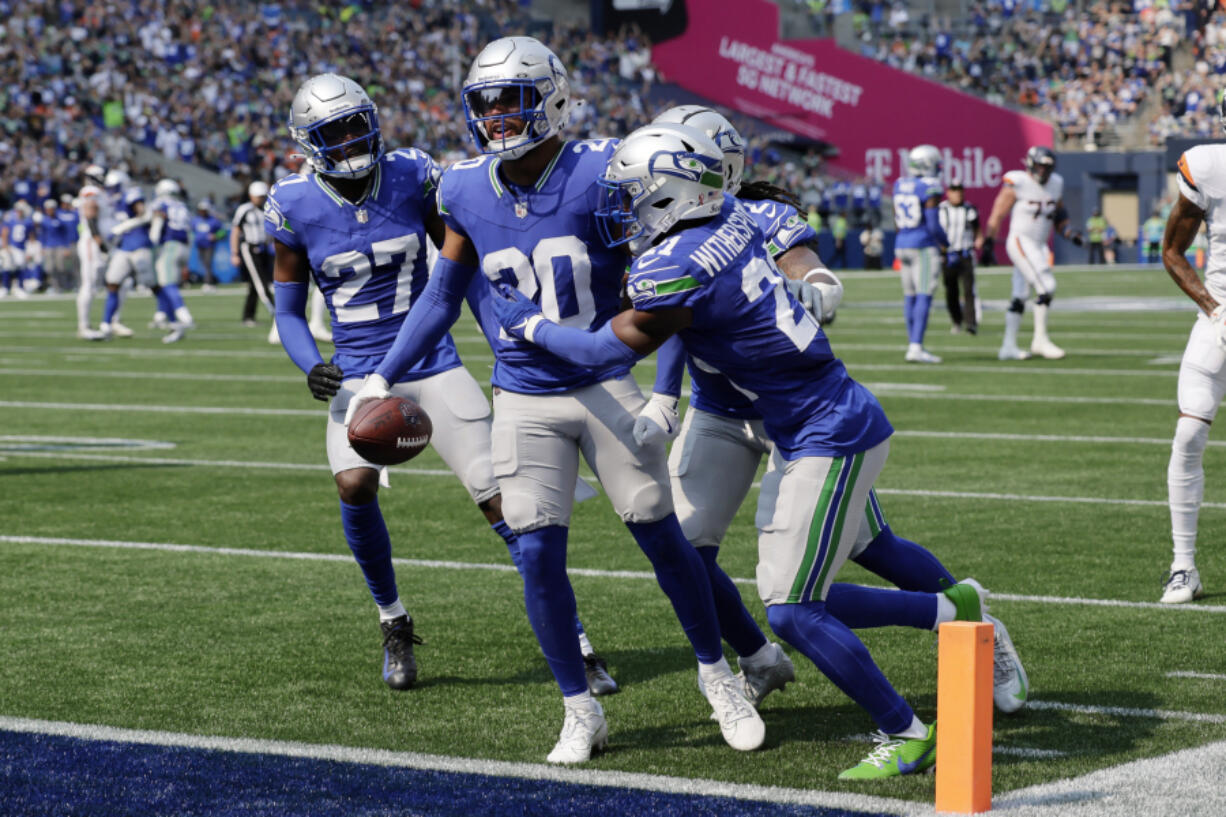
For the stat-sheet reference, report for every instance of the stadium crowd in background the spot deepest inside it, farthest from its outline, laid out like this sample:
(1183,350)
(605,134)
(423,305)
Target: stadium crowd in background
(1084,68)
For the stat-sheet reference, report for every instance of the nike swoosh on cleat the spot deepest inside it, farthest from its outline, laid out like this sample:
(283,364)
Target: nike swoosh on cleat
(1021,696)
(907,768)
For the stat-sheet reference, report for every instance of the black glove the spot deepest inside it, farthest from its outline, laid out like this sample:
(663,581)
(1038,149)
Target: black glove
(324,380)
(1076,239)
(987,255)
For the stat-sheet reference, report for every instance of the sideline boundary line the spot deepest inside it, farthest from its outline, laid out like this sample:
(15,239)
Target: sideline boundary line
(461,765)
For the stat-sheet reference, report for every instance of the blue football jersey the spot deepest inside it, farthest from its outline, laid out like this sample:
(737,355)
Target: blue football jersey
(19,229)
(368,259)
(542,240)
(783,229)
(204,228)
(910,195)
(138,237)
(51,231)
(71,222)
(178,219)
(746,326)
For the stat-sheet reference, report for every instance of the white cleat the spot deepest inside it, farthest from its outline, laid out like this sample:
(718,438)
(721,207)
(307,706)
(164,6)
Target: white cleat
(273,337)
(19,292)
(106,331)
(159,321)
(1012,353)
(321,333)
(739,722)
(1010,686)
(758,682)
(918,354)
(175,335)
(85,333)
(120,330)
(1047,349)
(1181,586)
(583,731)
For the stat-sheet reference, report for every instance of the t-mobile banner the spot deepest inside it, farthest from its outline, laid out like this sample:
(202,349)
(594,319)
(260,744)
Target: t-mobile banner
(874,114)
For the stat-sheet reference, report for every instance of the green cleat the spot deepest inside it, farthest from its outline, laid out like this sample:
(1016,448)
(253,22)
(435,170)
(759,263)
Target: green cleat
(896,756)
(969,598)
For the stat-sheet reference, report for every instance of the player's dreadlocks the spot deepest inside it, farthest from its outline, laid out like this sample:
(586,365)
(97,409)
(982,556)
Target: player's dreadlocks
(760,190)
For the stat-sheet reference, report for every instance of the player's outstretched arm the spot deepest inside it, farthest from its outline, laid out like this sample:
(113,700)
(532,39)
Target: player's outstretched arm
(629,336)
(1181,228)
(291,282)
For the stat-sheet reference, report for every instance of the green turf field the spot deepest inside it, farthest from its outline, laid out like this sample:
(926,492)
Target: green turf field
(1046,480)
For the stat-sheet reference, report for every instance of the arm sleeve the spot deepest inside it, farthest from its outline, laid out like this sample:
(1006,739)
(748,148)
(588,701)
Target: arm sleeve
(932,220)
(291,299)
(670,366)
(436,310)
(595,349)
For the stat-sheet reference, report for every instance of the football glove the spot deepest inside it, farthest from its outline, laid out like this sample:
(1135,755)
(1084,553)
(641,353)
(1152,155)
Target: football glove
(516,312)
(376,387)
(324,380)
(1218,318)
(810,297)
(1076,238)
(658,422)
(831,288)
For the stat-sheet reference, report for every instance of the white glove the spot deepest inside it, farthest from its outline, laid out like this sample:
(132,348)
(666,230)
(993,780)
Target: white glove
(831,288)
(658,422)
(375,388)
(810,297)
(1218,318)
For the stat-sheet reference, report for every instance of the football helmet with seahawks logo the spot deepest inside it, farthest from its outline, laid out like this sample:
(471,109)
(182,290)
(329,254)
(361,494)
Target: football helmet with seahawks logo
(658,176)
(713,124)
(924,161)
(516,96)
(337,126)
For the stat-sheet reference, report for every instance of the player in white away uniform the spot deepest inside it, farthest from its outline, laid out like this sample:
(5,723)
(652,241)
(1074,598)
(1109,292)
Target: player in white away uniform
(1033,200)
(1202,374)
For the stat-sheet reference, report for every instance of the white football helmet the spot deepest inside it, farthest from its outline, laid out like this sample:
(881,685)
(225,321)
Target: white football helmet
(713,124)
(924,161)
(515,80)
(95,175)
(166,187)
(1040,163)
(116,179)
(337,126)
(658,176)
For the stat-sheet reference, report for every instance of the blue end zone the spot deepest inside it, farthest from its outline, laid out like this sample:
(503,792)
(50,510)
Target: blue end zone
(52,775)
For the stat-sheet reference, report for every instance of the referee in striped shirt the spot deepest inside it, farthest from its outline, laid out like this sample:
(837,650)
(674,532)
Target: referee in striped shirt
(960,220)
(251,253)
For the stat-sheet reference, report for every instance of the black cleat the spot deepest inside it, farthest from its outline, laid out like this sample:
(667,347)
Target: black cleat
(399,665)
(599,682)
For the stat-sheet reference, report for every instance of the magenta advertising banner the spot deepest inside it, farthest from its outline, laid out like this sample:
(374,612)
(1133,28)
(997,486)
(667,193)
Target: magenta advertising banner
(873,113)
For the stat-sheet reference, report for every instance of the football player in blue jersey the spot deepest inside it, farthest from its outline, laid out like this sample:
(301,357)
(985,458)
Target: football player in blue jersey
(919,244)
(722,442)
(15,232)
(131,257)
(171,225)
(702,272)
(359,224)
(524,213)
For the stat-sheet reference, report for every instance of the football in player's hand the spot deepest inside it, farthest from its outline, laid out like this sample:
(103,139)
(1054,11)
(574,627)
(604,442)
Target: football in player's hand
(390,431)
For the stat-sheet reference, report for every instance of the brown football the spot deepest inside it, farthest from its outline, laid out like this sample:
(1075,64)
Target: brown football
(390,431)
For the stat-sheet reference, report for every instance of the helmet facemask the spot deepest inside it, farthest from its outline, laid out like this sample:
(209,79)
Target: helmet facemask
(505,117)
(345,144)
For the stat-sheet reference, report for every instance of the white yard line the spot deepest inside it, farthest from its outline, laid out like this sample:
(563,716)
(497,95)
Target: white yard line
(1208,676)
(855,368)
(639,575)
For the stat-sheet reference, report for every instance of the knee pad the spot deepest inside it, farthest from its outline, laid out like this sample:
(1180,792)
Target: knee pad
(1191,436)
(1044,299)
(789,621)
(1017,305)
(650,503)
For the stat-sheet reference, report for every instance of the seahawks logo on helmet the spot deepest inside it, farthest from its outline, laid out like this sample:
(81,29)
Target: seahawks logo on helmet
(690,166)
